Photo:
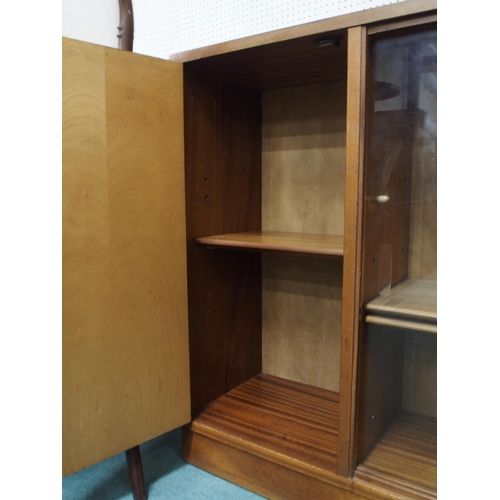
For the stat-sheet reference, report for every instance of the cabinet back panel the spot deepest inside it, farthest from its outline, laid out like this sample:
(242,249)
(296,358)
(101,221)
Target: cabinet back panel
(303,158)
(301,319)
(303,184)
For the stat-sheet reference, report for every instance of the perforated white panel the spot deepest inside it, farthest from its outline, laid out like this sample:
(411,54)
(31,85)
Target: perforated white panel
(167,27)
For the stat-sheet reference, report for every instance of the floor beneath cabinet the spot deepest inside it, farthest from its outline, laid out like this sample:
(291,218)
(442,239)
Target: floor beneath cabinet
(166,475)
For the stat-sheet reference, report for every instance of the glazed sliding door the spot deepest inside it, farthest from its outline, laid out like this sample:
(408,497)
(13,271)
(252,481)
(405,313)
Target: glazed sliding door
(125,328)
(396,428)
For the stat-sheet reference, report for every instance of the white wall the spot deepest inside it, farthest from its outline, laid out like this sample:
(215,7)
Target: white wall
(164,27)
(93,21)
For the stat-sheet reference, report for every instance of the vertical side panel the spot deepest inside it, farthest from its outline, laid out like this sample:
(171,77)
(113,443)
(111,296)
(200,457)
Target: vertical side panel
(223,192)
(125,341)
(356,64)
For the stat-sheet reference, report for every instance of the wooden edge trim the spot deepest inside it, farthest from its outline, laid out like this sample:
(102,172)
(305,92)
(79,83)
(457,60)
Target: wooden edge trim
(356,56)
(407,23)
(405,488)
(265,453)
(126,26)
(369,16)
(271,243)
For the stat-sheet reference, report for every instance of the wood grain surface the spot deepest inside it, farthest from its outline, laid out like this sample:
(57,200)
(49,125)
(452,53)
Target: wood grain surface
(276,438)
(278,241)
(223,193)
(405,458)
(355,124)
(301,319)
(284,481)
(124,336)
(282,420)
(303,184)
(303,159)
(275,66)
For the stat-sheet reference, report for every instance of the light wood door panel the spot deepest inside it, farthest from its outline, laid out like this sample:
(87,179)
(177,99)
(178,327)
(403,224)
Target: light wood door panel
(125,327)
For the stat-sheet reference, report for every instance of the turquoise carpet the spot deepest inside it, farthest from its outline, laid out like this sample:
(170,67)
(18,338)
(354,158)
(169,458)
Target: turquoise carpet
(165,474)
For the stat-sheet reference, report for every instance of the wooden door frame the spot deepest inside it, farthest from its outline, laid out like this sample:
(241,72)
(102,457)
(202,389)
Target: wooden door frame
(356,75)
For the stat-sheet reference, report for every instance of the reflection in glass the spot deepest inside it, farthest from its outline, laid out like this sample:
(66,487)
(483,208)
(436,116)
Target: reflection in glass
(397,410)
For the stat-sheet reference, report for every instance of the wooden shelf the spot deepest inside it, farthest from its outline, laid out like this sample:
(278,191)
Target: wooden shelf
(280,420)
(405,458)
(411,304)
(276,241)
(410,299)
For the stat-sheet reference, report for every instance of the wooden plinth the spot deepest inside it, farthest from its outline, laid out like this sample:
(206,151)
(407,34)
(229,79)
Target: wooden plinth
(275,437)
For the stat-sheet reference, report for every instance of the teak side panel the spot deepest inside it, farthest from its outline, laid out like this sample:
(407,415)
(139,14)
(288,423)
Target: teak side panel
(352,245)
(223,179)
(125,341)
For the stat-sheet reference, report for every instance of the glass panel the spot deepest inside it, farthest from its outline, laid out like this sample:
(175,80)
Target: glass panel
(396,418)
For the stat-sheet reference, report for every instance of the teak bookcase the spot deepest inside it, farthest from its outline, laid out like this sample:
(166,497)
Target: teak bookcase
(249,251)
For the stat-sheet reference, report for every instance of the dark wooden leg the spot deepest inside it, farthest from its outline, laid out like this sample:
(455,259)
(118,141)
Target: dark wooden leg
(136,474)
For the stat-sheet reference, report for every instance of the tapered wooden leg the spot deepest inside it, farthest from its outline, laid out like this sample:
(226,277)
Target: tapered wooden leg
(136,474)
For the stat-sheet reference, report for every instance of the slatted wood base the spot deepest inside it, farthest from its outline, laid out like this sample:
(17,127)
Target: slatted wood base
(277,438)
(405,458)
(287,420)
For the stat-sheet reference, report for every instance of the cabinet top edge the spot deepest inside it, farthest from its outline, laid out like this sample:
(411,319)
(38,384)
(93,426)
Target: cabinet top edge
(345,21)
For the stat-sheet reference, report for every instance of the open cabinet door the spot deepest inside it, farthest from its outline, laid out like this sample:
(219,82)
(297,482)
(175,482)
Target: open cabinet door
(125,327)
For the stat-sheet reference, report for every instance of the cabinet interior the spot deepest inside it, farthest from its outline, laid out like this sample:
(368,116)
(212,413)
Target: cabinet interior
(265,172)
(265,154)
